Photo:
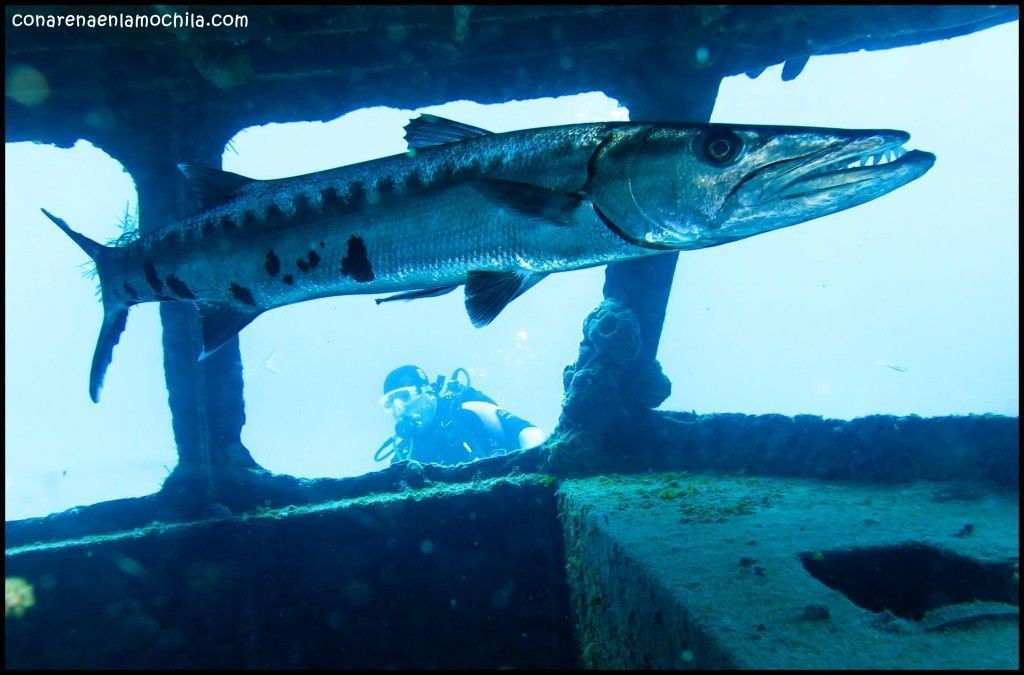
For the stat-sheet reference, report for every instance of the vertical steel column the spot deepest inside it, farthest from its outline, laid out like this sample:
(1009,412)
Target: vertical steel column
(207,405)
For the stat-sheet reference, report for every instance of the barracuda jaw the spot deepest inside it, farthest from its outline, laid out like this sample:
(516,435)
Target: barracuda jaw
(848,169)
(841,165)
(840,175)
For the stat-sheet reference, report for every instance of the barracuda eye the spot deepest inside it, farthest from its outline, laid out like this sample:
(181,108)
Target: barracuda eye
(722,148)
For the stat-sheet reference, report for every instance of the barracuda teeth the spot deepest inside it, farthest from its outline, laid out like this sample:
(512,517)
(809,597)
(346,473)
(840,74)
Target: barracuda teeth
(899,152)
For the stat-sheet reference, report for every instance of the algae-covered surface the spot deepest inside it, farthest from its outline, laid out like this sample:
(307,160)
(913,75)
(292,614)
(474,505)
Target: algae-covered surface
(430,492)
(719,573)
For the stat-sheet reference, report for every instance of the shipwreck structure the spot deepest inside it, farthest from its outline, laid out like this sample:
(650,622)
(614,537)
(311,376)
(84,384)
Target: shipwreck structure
(512,561)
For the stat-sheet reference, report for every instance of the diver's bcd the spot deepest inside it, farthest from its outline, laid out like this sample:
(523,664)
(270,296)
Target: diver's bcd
(451,394)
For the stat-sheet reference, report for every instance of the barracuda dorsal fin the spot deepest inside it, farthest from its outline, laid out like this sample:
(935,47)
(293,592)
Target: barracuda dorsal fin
(416,295)
(429,130)
(537,203)
(487,293)
(220,323)
(213,185)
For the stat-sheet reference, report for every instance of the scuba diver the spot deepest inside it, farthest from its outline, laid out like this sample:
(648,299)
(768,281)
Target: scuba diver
(448,423)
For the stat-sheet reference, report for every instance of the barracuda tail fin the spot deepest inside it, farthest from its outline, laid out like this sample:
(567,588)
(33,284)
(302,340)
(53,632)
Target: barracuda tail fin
(115,312)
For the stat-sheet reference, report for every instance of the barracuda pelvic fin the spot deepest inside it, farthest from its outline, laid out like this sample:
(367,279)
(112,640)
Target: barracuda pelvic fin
(219,324)
(487,293)
(417,295)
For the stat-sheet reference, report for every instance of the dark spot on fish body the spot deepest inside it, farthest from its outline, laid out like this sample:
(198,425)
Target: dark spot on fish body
(413,180)
(288,279)
(272,263)
(208,226)
(314,259)
(165,298)
(323,245)
(242,294)
(494,163)
(330,199)
(249,219)
(303,208)
(385,185)
(273,216)
(130,290)
(302,264)
(356,263)
(152,277)
(179,288)
(227,224)
(356,193)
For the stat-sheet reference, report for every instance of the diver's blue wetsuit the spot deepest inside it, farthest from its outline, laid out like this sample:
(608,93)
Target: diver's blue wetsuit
(462,436)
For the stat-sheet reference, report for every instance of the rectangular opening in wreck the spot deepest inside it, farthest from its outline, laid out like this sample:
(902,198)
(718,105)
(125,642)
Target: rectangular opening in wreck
(313,371)
(62,450)
(905,305)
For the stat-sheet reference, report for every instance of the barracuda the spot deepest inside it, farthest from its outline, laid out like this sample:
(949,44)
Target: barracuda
(495,213)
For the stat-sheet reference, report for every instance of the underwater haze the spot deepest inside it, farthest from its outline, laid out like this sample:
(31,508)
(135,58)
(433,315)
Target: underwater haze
(908,304)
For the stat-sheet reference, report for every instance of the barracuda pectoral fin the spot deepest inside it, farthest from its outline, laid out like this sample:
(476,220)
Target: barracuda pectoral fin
(537,203)
(416,295)
(213,186)
(220,323)
(429,130)
(487,293)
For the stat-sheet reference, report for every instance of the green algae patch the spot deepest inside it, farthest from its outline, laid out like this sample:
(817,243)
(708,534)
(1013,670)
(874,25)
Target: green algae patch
(19,596)
(701,498)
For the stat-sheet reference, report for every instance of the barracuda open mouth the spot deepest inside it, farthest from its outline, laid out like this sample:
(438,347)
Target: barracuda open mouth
(878,159)
(889,162)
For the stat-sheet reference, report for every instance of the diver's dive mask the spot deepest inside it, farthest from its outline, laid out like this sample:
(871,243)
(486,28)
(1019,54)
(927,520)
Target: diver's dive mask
(403,394)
